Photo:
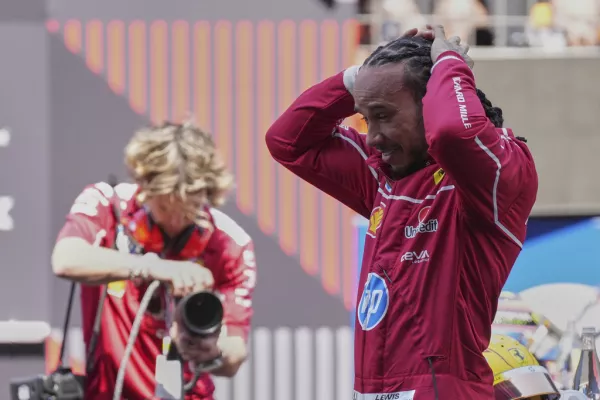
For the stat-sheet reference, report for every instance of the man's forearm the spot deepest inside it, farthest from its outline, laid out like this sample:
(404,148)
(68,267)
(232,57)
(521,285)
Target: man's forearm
(310,119)
(77,260)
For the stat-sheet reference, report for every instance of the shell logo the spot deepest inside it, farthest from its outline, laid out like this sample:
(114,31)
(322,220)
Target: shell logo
(375,220)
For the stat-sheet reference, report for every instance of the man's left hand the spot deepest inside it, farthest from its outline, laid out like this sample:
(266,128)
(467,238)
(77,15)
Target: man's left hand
(441,45)
(195,349)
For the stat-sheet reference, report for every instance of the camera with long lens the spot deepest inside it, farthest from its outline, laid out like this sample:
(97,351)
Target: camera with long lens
(200,314)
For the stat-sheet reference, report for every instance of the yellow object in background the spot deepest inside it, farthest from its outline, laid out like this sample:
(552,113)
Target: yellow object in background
(505,354)
(517,373)
(541,15)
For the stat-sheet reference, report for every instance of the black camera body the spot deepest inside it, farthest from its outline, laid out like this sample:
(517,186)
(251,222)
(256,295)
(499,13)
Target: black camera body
(62,384)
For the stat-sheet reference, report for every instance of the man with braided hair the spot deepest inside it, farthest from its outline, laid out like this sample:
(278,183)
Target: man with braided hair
(447,192)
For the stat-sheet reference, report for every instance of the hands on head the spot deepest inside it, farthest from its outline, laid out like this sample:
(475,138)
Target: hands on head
(426,33)
(440,43)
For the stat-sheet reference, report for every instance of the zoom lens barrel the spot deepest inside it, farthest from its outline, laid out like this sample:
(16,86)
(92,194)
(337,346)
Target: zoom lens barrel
(200,313)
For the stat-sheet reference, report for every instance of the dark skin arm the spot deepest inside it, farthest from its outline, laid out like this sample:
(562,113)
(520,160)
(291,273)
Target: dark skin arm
(441,45)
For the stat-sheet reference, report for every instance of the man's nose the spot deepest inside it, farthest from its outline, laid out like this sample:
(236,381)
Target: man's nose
(374,139)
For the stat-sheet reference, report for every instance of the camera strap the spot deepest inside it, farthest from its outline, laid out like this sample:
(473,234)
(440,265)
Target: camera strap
(90,360)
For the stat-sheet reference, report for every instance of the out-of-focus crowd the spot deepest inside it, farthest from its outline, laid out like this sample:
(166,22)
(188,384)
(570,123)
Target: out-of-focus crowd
(548,23)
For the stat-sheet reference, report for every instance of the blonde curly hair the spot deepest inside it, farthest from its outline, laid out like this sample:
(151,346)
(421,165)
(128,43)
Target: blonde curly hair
(179,160)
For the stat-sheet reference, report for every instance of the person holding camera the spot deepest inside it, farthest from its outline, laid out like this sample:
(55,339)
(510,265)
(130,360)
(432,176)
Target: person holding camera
(169,212)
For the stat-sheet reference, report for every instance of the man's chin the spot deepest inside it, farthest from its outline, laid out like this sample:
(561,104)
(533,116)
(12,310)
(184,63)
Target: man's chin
(400,170)
(395,160)
(390,158)
(396,171)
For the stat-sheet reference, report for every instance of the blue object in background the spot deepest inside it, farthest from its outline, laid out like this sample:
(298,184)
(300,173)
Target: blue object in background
(567,254)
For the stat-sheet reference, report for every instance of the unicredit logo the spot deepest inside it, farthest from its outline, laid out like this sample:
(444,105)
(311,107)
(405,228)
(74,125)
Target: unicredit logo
(424,225)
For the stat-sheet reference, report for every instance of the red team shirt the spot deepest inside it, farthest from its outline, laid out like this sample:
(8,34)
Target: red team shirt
(441,242)
(229,255)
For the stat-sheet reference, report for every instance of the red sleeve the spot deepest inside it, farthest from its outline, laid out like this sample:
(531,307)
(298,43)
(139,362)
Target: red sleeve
(236,289)
(90,215)
(89,218)
(489,166)
(234,271)
(307,140)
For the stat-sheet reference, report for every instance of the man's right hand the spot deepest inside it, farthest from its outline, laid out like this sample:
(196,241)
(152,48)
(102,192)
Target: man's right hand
(426,33)
(184,277)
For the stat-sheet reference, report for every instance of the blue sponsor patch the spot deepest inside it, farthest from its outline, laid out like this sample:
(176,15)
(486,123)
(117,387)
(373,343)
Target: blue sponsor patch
(374,302)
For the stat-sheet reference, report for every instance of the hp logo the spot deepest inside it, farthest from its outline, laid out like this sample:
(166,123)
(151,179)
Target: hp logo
(373,303)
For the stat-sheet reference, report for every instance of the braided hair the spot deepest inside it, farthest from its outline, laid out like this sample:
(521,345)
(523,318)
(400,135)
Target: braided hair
(415,54)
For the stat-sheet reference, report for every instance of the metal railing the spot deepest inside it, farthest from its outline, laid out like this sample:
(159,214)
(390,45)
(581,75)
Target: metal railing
(294,364)
(501,24)
(508,29)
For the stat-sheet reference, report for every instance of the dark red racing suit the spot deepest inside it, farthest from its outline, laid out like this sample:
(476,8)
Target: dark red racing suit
(229,255)
(441,242)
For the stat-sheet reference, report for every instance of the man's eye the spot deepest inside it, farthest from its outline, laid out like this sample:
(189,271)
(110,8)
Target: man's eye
(380,116)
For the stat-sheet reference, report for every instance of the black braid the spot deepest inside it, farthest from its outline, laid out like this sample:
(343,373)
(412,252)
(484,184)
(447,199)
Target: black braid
(415,54)
(493,113)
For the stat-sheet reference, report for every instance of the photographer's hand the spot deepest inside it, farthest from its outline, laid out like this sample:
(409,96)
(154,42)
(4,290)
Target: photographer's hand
(185,277)
(195,349)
